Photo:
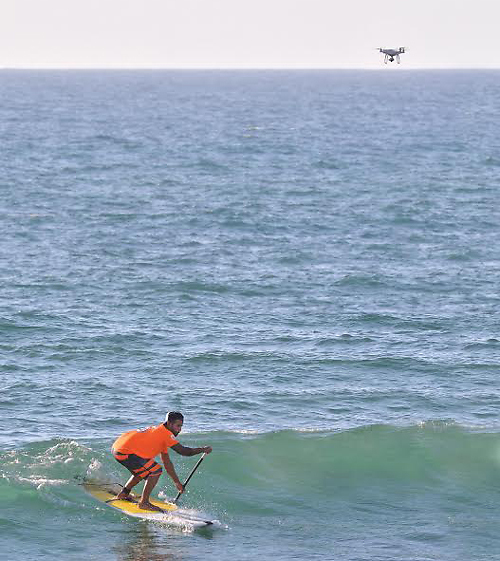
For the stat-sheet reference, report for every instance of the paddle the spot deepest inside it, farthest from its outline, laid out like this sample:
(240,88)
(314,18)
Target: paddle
(189,477)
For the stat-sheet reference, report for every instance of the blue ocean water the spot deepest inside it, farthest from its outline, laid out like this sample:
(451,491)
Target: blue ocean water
(305,263)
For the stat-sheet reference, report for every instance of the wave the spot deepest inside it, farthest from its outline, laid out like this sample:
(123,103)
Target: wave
(324,462)
(262,472)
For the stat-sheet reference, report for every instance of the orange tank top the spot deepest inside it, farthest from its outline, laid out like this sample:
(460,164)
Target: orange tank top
(146,443)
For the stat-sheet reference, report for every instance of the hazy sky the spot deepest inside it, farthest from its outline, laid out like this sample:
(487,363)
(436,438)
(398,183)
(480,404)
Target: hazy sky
(247,33)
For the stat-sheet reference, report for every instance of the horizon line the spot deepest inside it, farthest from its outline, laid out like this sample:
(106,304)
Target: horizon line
(243,68)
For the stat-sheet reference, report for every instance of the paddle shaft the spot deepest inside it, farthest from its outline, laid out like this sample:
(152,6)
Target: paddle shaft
(189,477)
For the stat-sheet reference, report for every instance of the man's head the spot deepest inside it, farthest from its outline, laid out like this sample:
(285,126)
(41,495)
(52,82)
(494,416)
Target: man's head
(173,422)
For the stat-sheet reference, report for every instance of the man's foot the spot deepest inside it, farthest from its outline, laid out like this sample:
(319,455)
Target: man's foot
(124,496)
(149,506)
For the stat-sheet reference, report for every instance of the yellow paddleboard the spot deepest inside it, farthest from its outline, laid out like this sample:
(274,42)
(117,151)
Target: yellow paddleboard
(106,493)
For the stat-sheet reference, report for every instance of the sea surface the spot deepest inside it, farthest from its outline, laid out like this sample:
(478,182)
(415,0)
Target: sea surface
(305,263)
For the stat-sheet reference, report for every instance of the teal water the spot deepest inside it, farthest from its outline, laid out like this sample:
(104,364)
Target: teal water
(305,263)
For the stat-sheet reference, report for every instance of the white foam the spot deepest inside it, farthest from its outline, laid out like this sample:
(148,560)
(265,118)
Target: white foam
(40,481)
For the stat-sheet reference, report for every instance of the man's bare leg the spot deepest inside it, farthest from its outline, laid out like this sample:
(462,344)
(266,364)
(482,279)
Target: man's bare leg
(131,483)
(144,503)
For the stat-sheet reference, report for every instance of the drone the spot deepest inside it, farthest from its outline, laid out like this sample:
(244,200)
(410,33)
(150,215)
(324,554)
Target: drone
(392,54)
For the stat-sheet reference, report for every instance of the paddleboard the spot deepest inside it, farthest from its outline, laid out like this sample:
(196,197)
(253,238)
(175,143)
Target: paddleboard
(172,514)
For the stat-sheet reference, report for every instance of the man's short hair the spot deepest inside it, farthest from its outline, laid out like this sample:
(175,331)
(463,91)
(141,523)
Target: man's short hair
(173,416)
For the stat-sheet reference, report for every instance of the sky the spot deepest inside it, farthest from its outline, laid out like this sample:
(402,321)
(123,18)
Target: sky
(247,33)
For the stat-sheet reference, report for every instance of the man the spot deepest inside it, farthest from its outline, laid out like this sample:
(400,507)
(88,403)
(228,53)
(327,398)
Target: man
(136,450)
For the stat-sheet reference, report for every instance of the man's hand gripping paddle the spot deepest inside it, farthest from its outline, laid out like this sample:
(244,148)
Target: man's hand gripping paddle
(189,477)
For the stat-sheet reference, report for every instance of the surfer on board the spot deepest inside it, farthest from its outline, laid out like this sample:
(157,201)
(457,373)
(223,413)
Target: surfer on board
(137,449)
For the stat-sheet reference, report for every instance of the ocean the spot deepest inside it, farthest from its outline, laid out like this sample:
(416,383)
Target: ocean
(305,263)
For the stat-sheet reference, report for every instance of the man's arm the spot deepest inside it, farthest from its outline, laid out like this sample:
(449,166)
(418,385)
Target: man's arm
(169,467)
(186,451)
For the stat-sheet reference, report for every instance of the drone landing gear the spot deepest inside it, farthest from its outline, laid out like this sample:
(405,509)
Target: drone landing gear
(392,58)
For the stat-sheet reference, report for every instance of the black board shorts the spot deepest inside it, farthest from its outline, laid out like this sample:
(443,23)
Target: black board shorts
(142,467)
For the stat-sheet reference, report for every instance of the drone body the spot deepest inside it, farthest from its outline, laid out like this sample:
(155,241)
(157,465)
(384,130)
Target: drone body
(392,55)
